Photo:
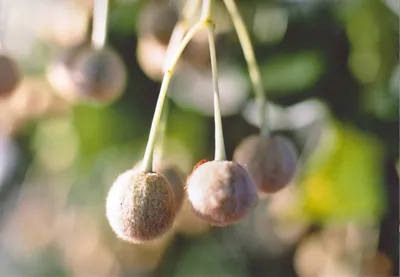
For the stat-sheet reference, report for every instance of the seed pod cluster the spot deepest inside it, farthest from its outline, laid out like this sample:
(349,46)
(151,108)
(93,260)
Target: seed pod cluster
(85,73)
(221,192)
(140,206)
(271,161)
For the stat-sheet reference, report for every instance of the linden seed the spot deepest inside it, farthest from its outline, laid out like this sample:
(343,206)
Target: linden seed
(271,161)
(140,206)
(221,192)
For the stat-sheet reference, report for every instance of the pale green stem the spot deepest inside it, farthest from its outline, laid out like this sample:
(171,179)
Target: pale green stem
(160,144)
(219,134)
(180,29)
(147,164)
(100,17)
(254,71)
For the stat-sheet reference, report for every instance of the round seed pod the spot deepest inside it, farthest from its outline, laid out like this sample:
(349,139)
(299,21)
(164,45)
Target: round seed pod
(221,192)
(152,14)
(140,206)
(99,75)
(9,75)
(271,161)
(58,72)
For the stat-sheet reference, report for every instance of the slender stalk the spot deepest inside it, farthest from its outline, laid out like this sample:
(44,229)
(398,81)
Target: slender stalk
(100,17)
(160,143)
(147,164)
(219,134)
(206,12)
(254,71)
(180,29)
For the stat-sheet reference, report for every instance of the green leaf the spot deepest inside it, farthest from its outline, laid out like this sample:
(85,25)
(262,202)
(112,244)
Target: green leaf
(288,73)
(348,182)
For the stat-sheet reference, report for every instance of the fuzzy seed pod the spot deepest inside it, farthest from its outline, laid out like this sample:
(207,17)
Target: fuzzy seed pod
(271,161)
(58,72)
(174,177)
(99,75)
(140,206)
(9,75)
(221,192)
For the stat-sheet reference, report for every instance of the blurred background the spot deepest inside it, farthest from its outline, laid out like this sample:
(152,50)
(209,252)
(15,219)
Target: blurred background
(331,70)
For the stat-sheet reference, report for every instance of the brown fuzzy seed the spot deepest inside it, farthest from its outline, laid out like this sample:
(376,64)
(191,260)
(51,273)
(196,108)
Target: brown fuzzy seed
(271,161)
(99,75)
(9,75)
(140,206)
(174,177)
(221,192)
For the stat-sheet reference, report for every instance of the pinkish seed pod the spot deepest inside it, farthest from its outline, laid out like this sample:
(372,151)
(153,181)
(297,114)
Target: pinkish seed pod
(221,192)
(271,161)
(10,76)
(140,206)
(98,75)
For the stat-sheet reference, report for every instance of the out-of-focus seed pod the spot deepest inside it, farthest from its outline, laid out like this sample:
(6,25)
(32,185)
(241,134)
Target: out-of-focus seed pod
(10,75)
(82,73)
(271,161)
(99,75)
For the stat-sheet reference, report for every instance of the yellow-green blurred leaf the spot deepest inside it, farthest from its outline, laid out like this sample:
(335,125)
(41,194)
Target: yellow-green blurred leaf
(345,181)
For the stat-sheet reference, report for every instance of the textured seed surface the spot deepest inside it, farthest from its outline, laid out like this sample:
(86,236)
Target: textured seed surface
(174,177)
(140,206)
(99,74)
(221,192)
(9,75)
(270,161)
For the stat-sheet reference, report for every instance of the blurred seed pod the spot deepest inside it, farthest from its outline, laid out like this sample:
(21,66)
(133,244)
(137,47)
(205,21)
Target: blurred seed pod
(150,55)
(81,73)
(99,75)
(58,72)
(157,19)
(271,161)
(10,75)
